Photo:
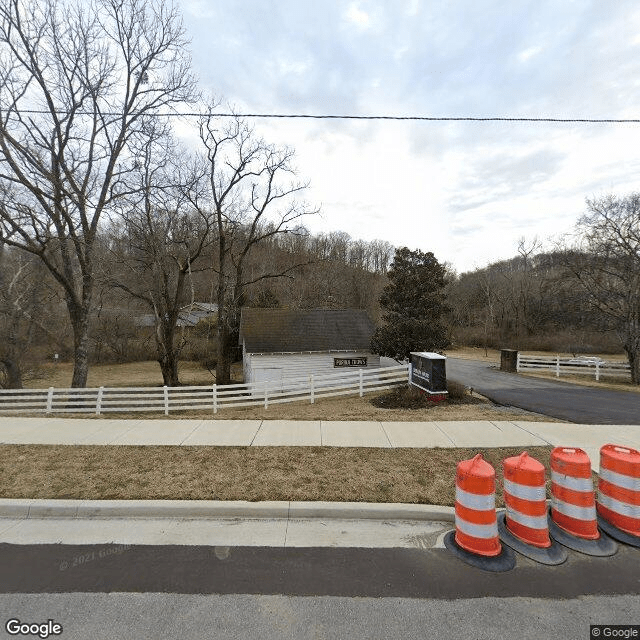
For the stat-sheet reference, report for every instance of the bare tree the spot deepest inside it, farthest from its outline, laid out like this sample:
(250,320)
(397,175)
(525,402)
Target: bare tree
(163,237)
(605,264)
(22,293)
(76,79)
(252,196)
(13,338)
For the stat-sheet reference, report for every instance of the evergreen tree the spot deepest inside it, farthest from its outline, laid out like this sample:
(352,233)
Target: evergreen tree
(414,302)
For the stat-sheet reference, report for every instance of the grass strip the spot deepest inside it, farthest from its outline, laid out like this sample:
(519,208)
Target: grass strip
(337,474)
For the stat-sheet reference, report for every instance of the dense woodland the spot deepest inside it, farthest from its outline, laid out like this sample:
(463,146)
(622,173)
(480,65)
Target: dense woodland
(527,302)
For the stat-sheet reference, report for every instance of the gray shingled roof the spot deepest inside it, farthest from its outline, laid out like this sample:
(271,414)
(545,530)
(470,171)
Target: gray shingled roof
(278,330)
(189,315)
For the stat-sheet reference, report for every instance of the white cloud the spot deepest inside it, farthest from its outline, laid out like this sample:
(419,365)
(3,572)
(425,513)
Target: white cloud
(357,16)
(454,188)
(400,52)
(199,8)
(414,7)
(297,67)
(527,54)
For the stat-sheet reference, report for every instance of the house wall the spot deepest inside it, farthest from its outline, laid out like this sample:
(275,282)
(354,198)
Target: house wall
(298,365)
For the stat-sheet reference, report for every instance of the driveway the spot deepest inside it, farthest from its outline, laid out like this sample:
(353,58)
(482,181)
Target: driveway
(575,403)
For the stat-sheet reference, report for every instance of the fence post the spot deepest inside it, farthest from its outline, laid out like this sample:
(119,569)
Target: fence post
(518,362)
(266,396)
(360,377)
(557,366)
(50,400)
(409,371)
(311,389)
(215,400)
(166,400)
(99,401)
(597,371)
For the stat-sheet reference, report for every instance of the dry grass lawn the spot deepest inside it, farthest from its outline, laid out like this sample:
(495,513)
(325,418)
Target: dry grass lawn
(356,408)
(130,374)
(147,374)
(605,382)
(339,408)
(474,353)
(425,476)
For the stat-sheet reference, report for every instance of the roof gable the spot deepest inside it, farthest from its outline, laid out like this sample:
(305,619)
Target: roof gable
(289,330)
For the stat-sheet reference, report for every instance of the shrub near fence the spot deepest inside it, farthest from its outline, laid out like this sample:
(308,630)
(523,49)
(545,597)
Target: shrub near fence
(213,398)
(584,366)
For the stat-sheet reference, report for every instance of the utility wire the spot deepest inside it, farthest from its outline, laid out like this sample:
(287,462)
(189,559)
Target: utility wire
(349,117)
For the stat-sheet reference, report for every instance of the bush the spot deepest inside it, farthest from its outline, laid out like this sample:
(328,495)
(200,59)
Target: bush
(456,390)
(406,397)
(410,397)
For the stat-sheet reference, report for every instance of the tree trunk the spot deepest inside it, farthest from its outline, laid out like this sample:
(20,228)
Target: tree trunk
(169,367)
(167,354)
(14,375)
(633,356)
(225,349)
(79,316)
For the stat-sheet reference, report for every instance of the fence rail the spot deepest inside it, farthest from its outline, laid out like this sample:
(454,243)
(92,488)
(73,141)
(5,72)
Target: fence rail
(166,399)
(583,365)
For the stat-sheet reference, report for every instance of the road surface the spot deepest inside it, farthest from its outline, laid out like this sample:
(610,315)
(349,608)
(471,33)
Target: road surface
(575,403)
(270,593)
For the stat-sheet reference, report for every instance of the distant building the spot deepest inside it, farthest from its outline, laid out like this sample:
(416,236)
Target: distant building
(284,343)
(189,315)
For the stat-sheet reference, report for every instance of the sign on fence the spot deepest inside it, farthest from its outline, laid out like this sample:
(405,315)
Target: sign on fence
(349,362)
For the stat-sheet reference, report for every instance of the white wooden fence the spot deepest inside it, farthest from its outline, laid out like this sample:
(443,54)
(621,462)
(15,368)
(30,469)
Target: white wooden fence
(213,398)
(582,365)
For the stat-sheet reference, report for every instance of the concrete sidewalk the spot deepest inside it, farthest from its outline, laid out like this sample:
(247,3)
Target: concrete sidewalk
(243,433)
(223,523)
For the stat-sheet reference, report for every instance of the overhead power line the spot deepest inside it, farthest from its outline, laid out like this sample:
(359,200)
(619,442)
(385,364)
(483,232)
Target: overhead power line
(313,116)
(429,118)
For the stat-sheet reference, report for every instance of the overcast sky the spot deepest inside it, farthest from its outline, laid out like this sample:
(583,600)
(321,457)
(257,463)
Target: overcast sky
(466,191)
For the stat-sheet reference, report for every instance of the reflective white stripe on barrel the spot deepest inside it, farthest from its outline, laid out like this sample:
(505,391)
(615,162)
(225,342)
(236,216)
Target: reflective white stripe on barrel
(571,511)
(476,501)
(524,492)
(569,482)
(621,508)
(533,522)
(484,531)
(620,480)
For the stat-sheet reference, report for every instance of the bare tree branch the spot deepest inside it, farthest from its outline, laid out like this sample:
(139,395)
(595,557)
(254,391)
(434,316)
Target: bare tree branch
(59,170)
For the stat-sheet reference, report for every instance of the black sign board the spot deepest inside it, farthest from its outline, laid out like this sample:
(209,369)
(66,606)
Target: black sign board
(428,372)
(349,362)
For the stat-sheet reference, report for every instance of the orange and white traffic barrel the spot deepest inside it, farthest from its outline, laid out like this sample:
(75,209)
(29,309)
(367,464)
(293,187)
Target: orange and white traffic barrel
(573,520)
(523,525)
(618,503)
(475,539)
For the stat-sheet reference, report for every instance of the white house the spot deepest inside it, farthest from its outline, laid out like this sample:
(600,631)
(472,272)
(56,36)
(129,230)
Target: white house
(279,344)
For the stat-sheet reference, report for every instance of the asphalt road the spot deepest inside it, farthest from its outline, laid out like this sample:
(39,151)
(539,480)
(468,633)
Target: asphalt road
(575,403)
(315,571)
(248,592)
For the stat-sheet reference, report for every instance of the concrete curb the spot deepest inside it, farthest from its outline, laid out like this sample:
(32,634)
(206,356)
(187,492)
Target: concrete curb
(212,509)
